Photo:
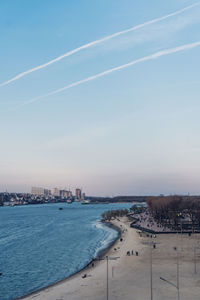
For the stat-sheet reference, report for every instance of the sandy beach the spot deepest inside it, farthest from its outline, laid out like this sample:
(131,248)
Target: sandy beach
(129,276)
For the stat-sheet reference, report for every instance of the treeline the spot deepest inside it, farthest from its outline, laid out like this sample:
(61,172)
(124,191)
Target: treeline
(118,199)
(137,209)
(172,210)
(113,214)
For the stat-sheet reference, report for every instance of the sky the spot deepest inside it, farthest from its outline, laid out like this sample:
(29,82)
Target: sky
(129,131)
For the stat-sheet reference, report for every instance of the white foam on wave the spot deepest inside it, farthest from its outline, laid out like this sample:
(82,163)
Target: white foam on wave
(104,243)
(98,224)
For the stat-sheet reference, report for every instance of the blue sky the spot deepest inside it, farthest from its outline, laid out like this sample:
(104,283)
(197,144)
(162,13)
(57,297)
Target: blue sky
(135,131)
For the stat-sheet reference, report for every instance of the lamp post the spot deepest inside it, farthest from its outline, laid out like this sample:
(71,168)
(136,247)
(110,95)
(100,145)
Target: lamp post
(177,276)
(181,235)
(151,244)
(107,258)
(107,278)
(151,271)
(195,262)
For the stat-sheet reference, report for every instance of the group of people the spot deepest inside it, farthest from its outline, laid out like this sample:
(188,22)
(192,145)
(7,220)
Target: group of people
(132,253)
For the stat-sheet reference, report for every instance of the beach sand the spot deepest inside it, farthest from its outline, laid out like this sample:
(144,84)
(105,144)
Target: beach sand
(129,276)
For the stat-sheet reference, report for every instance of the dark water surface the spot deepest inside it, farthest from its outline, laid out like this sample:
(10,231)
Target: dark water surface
(40,244)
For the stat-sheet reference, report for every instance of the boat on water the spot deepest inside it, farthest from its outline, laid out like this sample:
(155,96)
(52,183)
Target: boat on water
(69,201)
(77,200)
(84,202)
(99,202)
(93,203)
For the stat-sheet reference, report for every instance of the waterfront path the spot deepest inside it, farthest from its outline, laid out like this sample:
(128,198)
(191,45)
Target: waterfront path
(129,276)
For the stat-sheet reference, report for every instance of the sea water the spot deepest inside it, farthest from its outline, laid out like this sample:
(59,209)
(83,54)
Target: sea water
(40,244)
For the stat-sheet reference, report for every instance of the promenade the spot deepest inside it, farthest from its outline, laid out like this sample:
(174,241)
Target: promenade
(129,276)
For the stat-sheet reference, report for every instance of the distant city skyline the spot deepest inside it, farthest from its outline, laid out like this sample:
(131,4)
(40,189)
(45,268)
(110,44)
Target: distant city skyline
(40,190)
(133,132)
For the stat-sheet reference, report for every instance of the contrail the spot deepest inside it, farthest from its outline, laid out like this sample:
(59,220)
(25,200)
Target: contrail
(88,45)
(134,62)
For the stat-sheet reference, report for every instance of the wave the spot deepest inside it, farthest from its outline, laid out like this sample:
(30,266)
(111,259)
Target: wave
(107,238)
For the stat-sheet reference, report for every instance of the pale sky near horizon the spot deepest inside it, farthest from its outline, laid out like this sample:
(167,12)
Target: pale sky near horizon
(131,132)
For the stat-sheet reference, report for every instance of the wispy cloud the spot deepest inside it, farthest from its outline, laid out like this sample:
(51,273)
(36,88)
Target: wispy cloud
(96,42)
(161,33)
(119,68)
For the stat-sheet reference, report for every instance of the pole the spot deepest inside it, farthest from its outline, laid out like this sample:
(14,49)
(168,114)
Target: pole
(195,265)
(107,276)
(181,235)
(107,258)
(195,262)
(178,274)
(151,271)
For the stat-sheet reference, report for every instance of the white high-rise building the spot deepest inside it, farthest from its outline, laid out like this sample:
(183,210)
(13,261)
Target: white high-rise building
(37,191)
(78,194)
(56,192)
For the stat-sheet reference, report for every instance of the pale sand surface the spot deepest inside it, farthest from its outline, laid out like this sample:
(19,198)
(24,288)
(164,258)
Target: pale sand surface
(129,276)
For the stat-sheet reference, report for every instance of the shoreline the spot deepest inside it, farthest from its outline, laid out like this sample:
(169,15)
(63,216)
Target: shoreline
(129,273)
(101,253)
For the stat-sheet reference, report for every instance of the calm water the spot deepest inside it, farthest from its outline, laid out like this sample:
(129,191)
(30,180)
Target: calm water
(40,244)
